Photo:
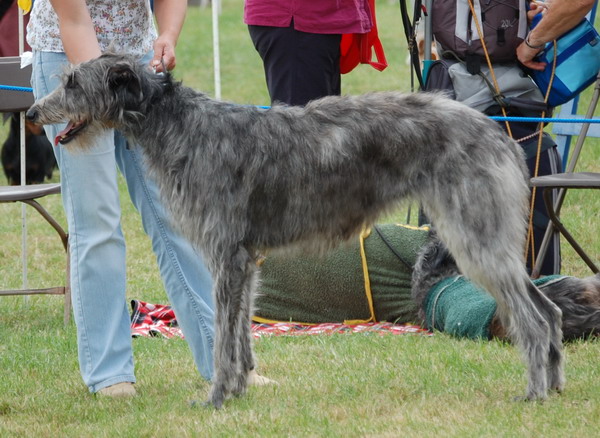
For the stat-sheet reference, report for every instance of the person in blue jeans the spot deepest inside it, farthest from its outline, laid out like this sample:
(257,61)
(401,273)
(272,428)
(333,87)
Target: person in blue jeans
(74,31)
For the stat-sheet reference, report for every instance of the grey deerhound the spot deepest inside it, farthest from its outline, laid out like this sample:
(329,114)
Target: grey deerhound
(240,179)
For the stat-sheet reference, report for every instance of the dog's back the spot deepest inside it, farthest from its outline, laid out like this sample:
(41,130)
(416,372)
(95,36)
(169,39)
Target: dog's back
(377,149)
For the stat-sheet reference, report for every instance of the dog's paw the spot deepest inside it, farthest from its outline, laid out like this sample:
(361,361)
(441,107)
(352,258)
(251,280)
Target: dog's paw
(558,388)
(557,381)
(240,385)
(200,404)
(216,397)
(530,398)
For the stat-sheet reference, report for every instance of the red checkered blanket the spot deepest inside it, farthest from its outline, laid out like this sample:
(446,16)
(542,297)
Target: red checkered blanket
(159,320)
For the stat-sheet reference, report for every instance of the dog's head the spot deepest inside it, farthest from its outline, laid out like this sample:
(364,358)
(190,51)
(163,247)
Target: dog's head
(434,263)
(107,92)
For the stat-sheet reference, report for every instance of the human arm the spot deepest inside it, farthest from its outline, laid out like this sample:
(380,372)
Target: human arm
(170,15)
(76,30)
(559,17)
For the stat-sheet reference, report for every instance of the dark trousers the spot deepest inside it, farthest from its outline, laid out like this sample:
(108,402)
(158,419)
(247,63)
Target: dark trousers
(299,66)
(549,164)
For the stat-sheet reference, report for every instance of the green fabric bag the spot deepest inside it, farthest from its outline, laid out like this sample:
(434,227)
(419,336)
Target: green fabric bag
(331,287)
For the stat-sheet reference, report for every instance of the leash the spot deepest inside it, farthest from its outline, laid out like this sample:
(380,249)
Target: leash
(15,88)
(164,67)
(530,235)
(496,118)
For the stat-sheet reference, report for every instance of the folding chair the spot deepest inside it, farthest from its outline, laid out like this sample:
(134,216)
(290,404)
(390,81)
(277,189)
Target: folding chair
(564,181)
(17,101)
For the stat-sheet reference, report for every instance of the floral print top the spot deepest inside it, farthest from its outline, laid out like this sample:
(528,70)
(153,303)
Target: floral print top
(124,25)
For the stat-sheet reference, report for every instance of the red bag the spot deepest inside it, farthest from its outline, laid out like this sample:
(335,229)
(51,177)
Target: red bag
(357,48)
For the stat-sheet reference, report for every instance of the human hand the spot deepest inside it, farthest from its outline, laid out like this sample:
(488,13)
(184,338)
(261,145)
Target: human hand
(525,52)
(164,52)
(536,8)
(526,55)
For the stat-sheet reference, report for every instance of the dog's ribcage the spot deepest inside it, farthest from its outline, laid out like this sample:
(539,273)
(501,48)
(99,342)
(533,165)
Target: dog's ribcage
(353,156)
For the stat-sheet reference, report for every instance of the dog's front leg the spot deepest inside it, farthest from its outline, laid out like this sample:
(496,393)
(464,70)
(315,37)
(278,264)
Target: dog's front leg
(231,340)
(245,353)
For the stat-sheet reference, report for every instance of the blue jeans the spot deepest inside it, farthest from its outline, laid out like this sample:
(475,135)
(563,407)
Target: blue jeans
(91,202)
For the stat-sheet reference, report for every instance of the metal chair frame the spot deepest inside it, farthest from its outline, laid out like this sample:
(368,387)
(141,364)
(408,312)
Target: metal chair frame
(18,101)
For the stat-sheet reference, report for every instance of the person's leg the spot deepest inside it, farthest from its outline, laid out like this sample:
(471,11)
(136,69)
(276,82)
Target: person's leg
(299,66)
(187,281)
(91,202)
(549,164)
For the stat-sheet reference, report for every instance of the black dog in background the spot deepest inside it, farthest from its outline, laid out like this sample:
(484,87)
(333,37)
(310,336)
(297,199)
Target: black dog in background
(40,160)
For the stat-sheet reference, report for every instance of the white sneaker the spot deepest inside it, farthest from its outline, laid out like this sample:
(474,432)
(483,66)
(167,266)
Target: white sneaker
(257,380)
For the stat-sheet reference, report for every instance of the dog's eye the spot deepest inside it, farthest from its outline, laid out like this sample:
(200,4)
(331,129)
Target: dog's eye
(71,81)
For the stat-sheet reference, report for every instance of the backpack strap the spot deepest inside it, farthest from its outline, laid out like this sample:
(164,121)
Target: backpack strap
(409,32)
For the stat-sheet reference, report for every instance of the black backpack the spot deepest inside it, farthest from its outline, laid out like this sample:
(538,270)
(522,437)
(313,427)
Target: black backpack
(502,22)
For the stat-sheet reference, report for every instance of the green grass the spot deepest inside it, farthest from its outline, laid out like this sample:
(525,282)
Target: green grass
(342,385)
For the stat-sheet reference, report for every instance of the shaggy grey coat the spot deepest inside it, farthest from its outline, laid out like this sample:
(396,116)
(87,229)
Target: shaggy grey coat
(240,179)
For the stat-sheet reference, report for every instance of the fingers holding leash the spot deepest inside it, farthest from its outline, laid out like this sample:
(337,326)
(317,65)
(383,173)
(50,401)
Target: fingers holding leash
(164,56)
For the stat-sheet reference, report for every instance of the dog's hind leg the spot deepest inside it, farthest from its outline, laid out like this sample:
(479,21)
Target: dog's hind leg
(553,315)
(484,229)
(529,320)
(230,281)
(532,321)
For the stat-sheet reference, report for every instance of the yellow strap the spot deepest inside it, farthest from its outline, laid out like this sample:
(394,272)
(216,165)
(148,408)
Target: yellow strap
(363,235)
(363,256)
(262,320)
(414,227)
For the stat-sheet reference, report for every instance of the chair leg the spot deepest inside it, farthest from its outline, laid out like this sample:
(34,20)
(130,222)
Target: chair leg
(68,304)
(66,290)
(558,224)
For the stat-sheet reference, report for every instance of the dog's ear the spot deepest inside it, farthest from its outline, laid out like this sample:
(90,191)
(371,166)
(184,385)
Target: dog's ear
(124,81)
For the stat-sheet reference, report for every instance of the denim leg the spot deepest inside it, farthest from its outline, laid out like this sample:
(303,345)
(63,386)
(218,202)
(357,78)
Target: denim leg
(185,277)
(91,202)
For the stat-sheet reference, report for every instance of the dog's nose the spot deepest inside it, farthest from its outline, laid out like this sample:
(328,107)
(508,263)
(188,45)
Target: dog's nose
(31,115)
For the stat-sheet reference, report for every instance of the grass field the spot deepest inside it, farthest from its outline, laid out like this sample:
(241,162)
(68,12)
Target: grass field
(342,385)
